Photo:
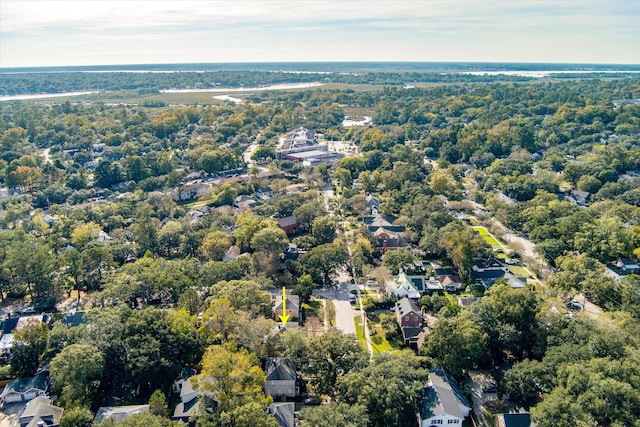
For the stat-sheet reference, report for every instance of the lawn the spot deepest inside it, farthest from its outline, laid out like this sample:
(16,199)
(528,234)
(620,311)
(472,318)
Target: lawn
(384,344)
(487,237)
(360,331)
(314,308)
(518,271)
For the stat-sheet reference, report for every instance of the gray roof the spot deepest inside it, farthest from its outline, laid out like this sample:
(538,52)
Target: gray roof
(409,332)
(21,385)
(280,369)
(406,305)
(185,410)
(284,413)
(40,409)
(287,221)
(119,413)
(293,301)
(442,396)
(74,319)
(515,420)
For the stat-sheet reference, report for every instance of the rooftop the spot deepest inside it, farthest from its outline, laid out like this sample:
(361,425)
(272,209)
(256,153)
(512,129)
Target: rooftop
(280,369)
(443,396)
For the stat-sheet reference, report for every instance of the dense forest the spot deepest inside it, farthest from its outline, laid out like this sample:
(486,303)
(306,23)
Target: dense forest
(92,212)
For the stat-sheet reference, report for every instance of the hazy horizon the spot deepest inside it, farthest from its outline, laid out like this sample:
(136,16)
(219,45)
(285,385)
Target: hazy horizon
(87,33)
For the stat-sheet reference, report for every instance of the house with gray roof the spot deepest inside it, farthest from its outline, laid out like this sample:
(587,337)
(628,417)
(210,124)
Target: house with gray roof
(119,413)
(284,413)
(408,313)
(189,403)
(40,412)
(282,380)
(517,419)
(25,389)
(192,396)
(443,402)
(244,202)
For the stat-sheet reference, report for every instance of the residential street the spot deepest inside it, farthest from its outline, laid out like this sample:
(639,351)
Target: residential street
(339,295)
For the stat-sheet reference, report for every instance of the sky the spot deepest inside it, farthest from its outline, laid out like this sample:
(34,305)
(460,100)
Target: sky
(104,32)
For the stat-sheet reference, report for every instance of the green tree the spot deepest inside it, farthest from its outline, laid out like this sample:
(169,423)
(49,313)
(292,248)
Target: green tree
(215,245)
(143,420)
(250,414)
(246,295)
(76,372)
(525,380)
(397,259)
(461,245)
(190,301)
(322,260)
(335,415)
(29,347)
(304,288)
(389,388)
(158,404)
(145,229)
(308,211)
(334,355)
(77,416)
(323,229)
(270,240)
(456,343)
(508,317)
(233,376)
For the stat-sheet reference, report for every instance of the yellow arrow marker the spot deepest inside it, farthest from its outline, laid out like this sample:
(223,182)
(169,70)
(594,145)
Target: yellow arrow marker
(284,317)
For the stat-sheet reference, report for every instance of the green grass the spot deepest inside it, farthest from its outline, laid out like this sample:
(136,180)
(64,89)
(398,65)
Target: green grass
(331,312)
(313,307)
(518,271)
(487,237)
(360,331)
(384,345)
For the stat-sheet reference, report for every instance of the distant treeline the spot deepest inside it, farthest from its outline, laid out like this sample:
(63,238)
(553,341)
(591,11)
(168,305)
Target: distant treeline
(56,82)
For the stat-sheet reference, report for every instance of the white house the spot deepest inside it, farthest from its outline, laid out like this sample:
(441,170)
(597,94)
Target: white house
(443,402)
(25,389)
(401,286)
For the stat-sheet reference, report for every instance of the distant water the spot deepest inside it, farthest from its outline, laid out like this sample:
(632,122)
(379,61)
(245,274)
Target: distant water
(43,96)
(339,67)
(279,86)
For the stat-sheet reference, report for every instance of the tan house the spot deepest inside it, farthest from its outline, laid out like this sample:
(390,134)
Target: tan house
(292,306)
(282,380)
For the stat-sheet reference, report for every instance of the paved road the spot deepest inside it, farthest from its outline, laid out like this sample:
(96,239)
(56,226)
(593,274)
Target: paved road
(327,194)
(339,295)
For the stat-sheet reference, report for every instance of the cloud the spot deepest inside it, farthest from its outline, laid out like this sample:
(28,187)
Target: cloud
(247,30)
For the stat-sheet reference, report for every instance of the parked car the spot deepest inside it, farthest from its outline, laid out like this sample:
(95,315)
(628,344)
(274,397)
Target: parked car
(490,389)
(352,300)
(312,401)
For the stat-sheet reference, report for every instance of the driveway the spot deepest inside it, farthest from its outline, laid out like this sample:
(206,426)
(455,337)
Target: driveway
(478,380)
